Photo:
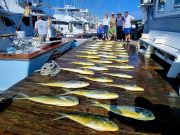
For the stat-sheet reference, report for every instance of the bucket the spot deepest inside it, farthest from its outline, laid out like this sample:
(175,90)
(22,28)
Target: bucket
(20,34)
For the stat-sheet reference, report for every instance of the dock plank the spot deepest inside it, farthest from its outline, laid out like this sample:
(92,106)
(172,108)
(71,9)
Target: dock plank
(28,117)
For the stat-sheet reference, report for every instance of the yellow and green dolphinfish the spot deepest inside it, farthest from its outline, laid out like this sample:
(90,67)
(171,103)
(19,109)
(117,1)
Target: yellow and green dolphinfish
(96,94)
(96,122)
(97,79)
(137,113)
(80,71)
(67,84)
(128,87)
(101,61)
(96,68)
(87,52)
(84,63)
(53,100)
(119,75)
(120,66)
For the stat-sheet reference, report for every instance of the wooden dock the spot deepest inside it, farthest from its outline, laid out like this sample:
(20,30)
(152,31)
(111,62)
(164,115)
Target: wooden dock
(24,117)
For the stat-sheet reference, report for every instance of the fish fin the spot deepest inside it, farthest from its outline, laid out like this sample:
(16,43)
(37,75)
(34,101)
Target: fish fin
(23,95)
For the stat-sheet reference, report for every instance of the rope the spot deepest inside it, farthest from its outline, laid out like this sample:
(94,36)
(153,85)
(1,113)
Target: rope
(51,69)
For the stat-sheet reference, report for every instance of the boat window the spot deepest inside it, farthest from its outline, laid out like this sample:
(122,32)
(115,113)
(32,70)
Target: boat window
(60,22)
(26,21)
(161,5)
(7,21)
(176,3)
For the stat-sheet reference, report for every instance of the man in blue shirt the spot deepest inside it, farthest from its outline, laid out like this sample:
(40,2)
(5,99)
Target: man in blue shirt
(119,26)
(100,31)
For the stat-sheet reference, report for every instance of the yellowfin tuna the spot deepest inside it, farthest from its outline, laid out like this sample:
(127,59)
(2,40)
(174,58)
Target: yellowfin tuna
(119,75)
(137,113)
(96,94)
(96,122)
(120,66)
(98,79)
(83,63)
(133,88)
(96,68)
(67,84)
(80,71)
(53,100)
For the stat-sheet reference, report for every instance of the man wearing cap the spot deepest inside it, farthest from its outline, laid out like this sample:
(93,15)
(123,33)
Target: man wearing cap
(112,20)
(41,28)
(119,26)
(127,26)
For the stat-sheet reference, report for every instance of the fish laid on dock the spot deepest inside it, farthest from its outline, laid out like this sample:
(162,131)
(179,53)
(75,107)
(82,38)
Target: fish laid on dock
(84,63)
(80,71)
(87,52)
(120,66)
(119,75)
(122,56)
(96,94)
(107,56)
(87,56)
(96,68)
(96,122)
(53,100)
(97,79)
(120,60)
(101,61)
(67,84)
(128,87)
(137,113)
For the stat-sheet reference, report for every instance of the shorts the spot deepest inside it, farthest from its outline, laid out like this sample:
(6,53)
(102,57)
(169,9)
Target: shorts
(42,38)
(127,30)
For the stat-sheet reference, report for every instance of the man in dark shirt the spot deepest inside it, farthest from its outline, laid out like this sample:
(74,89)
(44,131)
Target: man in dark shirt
(119,26)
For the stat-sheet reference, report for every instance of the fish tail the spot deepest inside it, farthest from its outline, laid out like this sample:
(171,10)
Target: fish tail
(58,118)
(61,117)
(43,84)
(23,95)
(95,103)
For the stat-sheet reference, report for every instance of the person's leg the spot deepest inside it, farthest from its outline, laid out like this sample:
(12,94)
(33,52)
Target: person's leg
(118,32)
(105,31)
(129,34)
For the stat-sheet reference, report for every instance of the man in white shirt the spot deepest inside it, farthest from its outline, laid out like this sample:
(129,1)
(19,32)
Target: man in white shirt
(41,28)
(127,26)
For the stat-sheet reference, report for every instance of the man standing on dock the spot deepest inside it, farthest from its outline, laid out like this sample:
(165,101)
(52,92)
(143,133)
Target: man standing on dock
(119,26)
(41,28)
(127,26)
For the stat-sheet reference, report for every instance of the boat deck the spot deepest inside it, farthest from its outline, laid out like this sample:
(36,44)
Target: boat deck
(27,117)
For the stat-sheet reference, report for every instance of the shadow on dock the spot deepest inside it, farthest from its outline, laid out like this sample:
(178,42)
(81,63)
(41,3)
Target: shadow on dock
(167,119)
(5,103)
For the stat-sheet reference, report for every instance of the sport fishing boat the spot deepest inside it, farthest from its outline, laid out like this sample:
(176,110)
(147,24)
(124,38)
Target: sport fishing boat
(20,56)
(65,22)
